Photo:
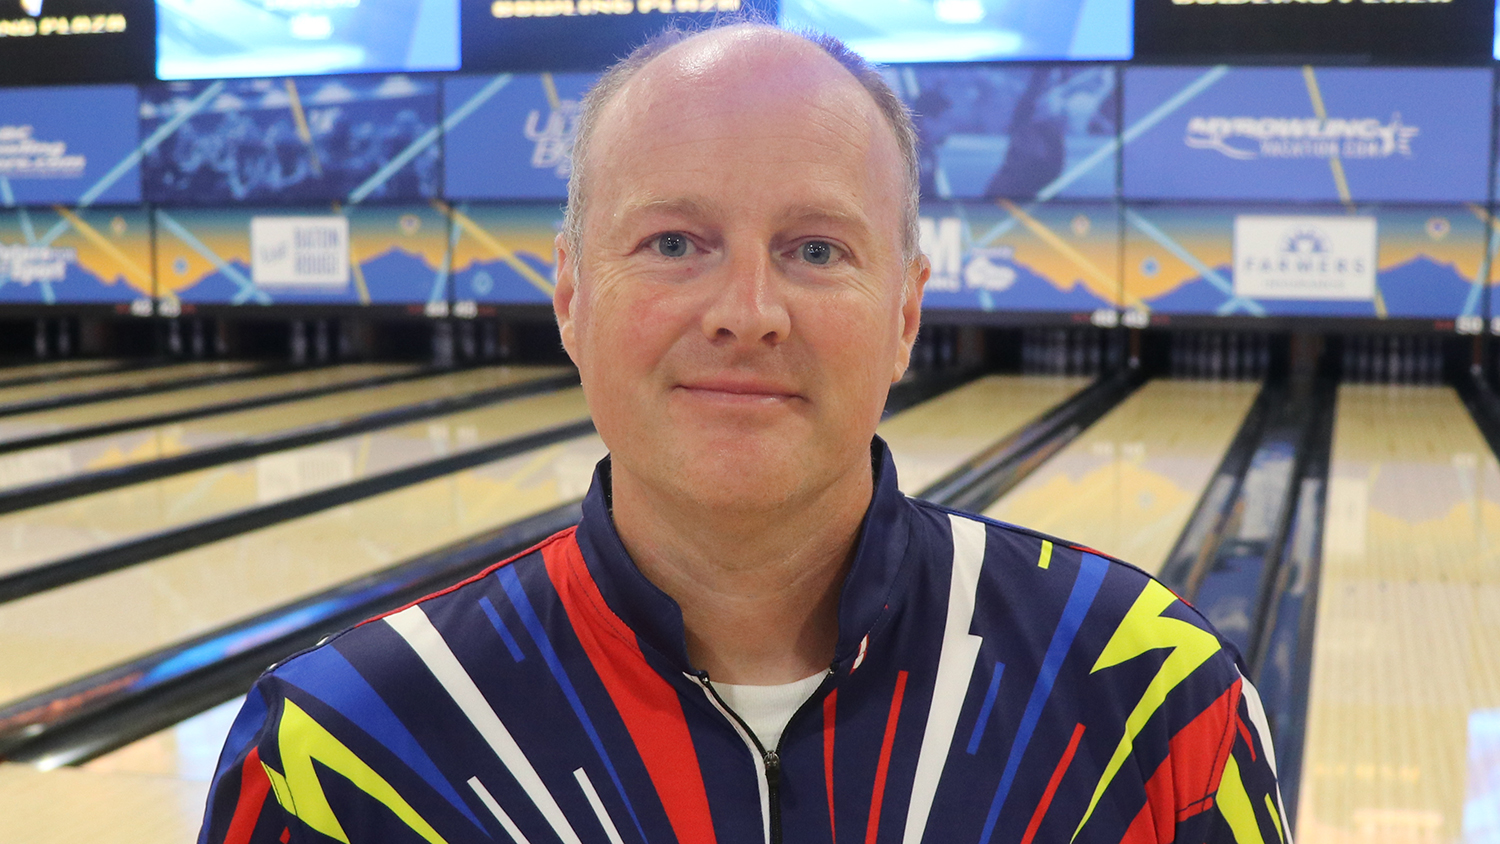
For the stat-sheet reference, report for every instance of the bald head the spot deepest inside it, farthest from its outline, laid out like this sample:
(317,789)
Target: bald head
(743,69)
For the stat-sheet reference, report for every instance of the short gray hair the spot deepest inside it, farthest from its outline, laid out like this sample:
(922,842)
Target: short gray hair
(897,117)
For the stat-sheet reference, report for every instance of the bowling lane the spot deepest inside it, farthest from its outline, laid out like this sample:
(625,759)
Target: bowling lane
(56,369)
(69,805)
(98,413)
(102,381)
(51,532)
(1403,730)
(933,438)
(1128,484)
(928,441)
(57,635)
(36,465)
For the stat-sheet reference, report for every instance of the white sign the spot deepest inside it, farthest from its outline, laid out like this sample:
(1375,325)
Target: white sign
(299,251)
(1323,258)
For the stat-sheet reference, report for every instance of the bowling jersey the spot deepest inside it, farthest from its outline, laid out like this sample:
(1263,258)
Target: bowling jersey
(989,684)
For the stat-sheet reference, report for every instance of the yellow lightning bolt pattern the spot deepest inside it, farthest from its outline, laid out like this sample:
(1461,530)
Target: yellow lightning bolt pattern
(1144,630)
(1234,803)
(301,740)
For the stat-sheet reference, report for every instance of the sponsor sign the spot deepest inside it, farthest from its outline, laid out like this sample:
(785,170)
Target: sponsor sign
(1307,135)
(300,251)
(1304,257)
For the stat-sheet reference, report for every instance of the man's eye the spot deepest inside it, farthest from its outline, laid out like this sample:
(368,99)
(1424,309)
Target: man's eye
(672,245)
(816,251)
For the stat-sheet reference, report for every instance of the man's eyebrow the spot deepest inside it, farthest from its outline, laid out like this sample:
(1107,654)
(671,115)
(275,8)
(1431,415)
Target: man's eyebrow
(847,217)
(680,206)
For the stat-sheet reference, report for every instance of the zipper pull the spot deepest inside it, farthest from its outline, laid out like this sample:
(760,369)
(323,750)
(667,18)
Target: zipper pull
(773,770)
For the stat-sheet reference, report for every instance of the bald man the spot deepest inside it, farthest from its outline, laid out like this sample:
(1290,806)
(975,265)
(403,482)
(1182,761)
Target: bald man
(753,636)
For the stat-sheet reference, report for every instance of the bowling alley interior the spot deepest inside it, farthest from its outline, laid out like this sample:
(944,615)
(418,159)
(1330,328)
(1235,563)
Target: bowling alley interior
(1213,291)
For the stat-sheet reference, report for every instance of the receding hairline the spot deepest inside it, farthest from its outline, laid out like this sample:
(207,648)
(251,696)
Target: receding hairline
(607,91)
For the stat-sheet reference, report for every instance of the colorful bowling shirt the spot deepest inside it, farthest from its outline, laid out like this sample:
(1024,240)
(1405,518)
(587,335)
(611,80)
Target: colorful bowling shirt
(990,684)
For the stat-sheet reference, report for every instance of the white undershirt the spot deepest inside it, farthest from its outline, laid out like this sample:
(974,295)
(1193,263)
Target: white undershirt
(767,709)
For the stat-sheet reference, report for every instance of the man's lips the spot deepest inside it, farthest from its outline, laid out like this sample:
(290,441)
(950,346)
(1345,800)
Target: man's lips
(738,389)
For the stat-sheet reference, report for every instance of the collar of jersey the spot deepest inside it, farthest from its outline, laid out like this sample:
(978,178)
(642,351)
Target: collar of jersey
(870,589)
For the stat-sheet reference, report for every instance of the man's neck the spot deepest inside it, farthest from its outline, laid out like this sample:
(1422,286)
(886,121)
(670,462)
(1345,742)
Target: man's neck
(759,591)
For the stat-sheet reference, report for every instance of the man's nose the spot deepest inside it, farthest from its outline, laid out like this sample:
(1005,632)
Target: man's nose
(748,303)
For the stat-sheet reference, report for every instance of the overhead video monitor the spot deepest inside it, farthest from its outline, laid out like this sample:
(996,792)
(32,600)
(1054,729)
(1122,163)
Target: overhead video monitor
(48,41)
(1035,131)
(217,39)
(1212,31)
(579,35)
(970,30)
(350,139)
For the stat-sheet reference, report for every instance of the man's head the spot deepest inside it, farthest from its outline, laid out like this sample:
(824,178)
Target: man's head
(738,280)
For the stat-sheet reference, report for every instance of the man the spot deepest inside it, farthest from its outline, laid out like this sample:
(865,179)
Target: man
(753,636)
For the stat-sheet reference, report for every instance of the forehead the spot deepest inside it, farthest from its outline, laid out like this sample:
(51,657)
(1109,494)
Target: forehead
(741,115)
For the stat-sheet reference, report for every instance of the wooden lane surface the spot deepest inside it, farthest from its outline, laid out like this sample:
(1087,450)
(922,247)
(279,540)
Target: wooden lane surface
(55,531)
(68,806)
(99,413)
(933,438)
(1128,484)
(56,368)
(82,384)
(1403,731)
(73,630)
(37,465)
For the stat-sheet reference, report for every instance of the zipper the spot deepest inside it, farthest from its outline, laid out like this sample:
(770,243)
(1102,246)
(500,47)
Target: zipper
(770,759)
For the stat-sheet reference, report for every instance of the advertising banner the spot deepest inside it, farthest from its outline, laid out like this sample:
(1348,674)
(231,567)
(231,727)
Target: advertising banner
(510,136)
(1378,262)
(75,256)
(368,255)
(1032,132)
(209,39)
(1006,257)
(1306,135)
(503,254)
(346,139)
(70,146)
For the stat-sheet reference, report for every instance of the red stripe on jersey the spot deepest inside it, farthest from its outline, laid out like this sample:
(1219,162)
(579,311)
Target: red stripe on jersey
(566,534)
(1185,782)
(646,702)
(254,785)
(1052,784)
(829,711)
(884,765)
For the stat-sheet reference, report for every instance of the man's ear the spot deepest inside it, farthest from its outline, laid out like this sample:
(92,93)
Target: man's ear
(564,296)
(917,273)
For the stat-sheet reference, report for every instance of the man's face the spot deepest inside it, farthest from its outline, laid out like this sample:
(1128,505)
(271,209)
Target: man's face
(740,306)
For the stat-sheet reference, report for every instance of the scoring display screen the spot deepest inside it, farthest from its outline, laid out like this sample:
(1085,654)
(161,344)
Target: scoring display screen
(46,41)
(578,35)
(969,30)
(1212,31)
(214,39)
